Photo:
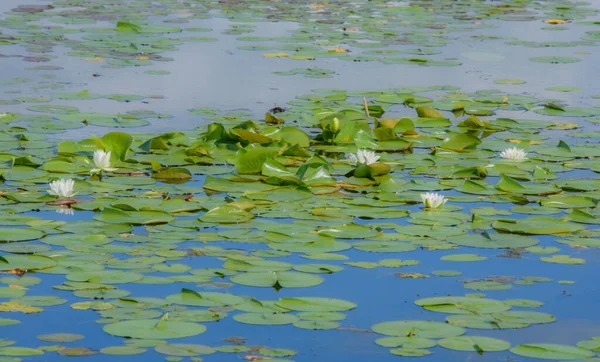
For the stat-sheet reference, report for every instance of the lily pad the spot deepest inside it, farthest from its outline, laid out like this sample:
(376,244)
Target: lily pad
(474,343)
(551,351)
(154,329)
(423,329)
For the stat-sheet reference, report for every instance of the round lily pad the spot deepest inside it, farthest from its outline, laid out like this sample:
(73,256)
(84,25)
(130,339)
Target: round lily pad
(409,352)
(19,234)
(493,241)
(184,350)
(316,324)
(474,343)
(7,292)
(19,351)
(8,321)
(318,268)
(551,351)
(524,303)
(60,337)
(265,318)
(487,286)
(26,262)
(446,273)
(315,304)
(424,329)
(406,342)
(122,350)
(325,316)
(154,329)
(105,276)
(277,279)
(462,305)
(463,257)
(484,322)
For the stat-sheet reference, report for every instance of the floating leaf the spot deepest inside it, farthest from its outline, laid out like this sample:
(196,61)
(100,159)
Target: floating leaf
(423,329)
(462,305)
(265,318)
(551,351)
(474,343)
(60,337)
(277,279)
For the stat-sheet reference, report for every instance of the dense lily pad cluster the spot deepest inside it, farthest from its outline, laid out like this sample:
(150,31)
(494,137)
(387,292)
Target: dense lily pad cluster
(364,31)
(284,190)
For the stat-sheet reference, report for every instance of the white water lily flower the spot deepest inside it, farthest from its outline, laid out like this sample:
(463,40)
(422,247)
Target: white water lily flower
(65,211)
(431,200)
(363,156)
(514,153)
(62,188)
(102,161)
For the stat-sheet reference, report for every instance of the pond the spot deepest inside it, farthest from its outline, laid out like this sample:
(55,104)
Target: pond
(299,180)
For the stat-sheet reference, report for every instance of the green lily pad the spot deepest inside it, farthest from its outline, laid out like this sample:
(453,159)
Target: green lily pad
(487,286)
(318,268)
(19,234)
(60,337)
(474,343)
(446,273)
(493,241)
(204,299)
(562,259)
(423,329)
(316,324)
(154,329)
(19,351)
(409,352)
(537,226)
(184,350)
(315,304)
(551,351)
(463,257)
(462,305)
(122,350)
(277,279)
(8,321)
(7,292)
(410,342)
(26,262)
(326,316)
(265,318)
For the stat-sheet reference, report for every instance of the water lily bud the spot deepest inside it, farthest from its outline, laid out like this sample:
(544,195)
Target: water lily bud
(335,125)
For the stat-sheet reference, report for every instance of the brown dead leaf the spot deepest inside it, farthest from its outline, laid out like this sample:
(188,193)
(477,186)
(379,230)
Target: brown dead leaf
(238,341)
(411,275)
(17,272)
(317,6)
(256,358)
